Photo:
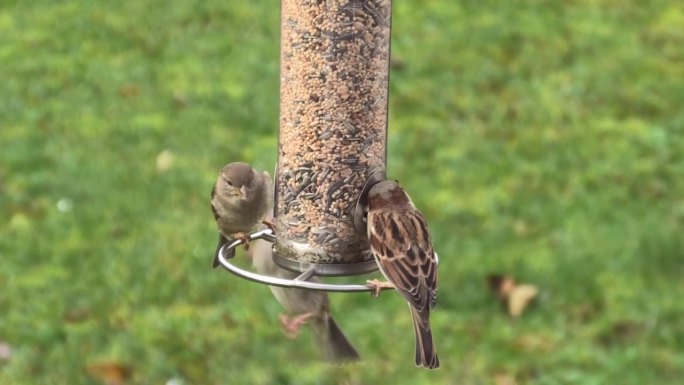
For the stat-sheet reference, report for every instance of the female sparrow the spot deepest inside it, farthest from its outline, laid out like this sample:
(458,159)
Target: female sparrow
(240,199)
(400,241)
(309,307)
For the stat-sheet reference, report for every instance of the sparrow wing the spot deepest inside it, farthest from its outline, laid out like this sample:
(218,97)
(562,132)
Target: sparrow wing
(401,243)
(213,195)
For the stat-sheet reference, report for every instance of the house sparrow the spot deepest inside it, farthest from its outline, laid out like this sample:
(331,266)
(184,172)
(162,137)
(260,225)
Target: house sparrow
(400,241)
(309,306)
(240,199)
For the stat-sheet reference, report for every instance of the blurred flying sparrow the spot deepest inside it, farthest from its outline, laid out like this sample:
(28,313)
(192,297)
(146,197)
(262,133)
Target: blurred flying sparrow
(400,241)
(309,306)
(240,199)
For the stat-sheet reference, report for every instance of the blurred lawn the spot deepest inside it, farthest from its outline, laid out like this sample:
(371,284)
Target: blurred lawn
(541,139)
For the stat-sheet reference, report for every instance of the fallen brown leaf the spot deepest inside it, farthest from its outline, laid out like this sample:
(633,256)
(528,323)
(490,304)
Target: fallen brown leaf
(520,297)
(514,297)
(501,285)
(110,372)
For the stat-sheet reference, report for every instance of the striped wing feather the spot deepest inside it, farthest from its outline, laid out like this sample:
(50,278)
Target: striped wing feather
(407,259)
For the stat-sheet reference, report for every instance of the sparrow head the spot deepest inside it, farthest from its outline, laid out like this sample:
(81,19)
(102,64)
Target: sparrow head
(387,194)
(235,180)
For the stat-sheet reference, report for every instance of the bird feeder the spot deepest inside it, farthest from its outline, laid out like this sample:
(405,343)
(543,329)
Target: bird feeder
(332,140)
(333,129)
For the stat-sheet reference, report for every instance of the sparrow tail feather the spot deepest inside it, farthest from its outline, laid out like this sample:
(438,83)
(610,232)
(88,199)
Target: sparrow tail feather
(334,343)
(221,241)
(426,354)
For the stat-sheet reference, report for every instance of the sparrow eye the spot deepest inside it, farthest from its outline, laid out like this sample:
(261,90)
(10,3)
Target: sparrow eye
(229,183)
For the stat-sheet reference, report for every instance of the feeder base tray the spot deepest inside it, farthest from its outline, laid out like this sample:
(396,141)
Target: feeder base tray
(326,269)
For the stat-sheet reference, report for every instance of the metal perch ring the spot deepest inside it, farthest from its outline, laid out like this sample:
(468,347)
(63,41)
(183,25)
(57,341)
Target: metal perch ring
(301,281)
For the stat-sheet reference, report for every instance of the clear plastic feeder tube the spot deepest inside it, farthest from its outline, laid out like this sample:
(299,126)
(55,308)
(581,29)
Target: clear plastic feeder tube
(333,124)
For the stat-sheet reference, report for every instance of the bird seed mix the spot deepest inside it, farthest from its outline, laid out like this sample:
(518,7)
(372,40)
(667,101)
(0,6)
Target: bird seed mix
(333,123)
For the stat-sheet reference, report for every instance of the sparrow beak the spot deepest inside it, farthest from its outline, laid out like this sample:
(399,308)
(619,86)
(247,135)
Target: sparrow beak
(243,191)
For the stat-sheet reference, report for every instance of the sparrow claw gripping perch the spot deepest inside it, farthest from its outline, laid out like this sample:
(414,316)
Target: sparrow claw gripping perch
(244,237)
(378,285)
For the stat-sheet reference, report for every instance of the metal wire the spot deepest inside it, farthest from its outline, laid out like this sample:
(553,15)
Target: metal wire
(300,281)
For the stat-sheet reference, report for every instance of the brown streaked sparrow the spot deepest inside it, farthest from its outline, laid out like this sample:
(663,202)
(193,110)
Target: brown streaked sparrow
(240,199)
(400,241)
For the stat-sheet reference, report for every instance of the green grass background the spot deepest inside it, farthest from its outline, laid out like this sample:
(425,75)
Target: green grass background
(542,139)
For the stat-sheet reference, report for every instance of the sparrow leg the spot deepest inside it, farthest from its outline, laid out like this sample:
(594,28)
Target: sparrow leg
(269,224)
(244,237)
(291,326)
(377,286)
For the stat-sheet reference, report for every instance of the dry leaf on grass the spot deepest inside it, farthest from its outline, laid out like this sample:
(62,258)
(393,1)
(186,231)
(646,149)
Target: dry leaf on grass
(501,285)
(514,296)
(520,297)
(110,372)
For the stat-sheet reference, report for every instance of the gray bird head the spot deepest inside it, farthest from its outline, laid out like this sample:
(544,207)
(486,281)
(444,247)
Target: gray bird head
(236,179)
